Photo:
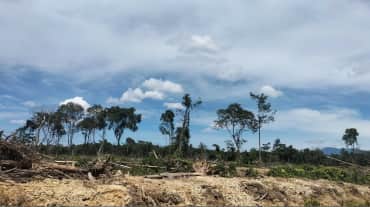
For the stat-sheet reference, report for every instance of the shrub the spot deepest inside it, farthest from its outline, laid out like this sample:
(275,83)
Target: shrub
(311,203)
(251,172)
(330,173)
(224,170)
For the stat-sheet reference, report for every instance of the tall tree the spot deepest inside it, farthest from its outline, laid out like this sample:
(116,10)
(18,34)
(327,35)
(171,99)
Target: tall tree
(183,132)
(350,138)
(38,121)
(96,112)
(72,113)
(87,126)
(58,129)
(264,116)
(122,118)
(167,126)
(236,121)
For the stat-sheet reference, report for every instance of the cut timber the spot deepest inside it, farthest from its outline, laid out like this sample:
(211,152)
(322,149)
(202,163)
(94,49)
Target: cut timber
(67,162)
(65,168)
(120,165)
(173,175)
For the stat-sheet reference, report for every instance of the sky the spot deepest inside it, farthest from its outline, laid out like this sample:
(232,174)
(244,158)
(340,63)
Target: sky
(311,58)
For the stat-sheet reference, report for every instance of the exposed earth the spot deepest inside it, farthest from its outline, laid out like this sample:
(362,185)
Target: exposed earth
(202,191)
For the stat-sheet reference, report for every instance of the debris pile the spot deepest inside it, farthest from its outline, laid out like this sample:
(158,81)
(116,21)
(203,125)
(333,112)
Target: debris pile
(20,163)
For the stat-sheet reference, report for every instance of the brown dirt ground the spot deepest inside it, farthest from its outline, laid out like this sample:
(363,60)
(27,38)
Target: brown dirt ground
(201,191)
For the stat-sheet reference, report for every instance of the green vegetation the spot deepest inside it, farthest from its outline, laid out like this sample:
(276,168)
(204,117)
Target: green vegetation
(264,115)
(351,175)
(46,131)
(236,120)
(311,203)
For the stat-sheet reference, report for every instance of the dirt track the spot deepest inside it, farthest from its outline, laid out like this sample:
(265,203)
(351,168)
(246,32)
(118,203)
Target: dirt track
(202,190)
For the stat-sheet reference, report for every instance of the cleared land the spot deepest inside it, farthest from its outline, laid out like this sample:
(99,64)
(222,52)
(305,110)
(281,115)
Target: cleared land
(202,190)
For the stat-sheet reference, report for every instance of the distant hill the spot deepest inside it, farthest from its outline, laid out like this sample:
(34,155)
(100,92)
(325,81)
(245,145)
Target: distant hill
(331,150)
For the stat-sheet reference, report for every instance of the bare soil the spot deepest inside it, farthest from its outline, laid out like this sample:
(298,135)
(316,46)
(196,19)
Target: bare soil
(202,191)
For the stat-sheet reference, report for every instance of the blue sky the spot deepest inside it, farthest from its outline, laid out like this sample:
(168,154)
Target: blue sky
(312,58)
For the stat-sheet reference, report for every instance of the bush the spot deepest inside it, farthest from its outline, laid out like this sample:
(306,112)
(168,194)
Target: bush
(311,203)
(224,170)
(251,172)
(330,173)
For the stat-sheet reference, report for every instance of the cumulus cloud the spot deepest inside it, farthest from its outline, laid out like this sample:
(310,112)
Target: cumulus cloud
(137,95)
(156,89)
(270,91)
(175,106)
(77,100)
(162,86)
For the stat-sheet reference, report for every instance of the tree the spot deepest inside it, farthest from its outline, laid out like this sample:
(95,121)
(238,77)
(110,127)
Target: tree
(266,147)
(26,134)
(236,121)
(202,150)
(37,122)
(120,119)
(87,126)
(71,113)
(167,126)
(97,113)
(265,115)
(350,138)
(183,132)
(58,129)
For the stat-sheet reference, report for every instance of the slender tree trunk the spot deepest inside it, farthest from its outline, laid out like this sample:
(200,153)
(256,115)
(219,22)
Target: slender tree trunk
(94,135)
(259,144)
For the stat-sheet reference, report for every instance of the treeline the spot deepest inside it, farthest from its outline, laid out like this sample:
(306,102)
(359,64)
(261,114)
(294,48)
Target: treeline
(278,153)
(55,128)
(49,131)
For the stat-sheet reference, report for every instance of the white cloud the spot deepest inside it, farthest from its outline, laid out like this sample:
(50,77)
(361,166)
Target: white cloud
(295,44)
(199,44)
(270,91)
(17,121)
(162,86)
(30,104)
(322,124)
(169,105)
(77,100)
(137,95)
(157,89)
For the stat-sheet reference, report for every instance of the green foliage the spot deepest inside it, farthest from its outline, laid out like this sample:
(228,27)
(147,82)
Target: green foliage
(167,126)
(120,119)
(224,170)
(264,116)
(356,203)
(321,172)
(236,121)
(182,138)
(251,172)
(350,137)
(311,202)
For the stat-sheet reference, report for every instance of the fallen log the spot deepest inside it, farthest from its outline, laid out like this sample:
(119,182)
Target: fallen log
(172,175)
(65,168)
